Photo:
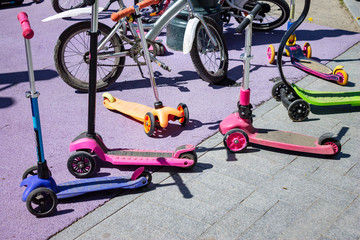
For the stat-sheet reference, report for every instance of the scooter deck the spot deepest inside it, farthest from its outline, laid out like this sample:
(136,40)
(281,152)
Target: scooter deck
(309,64)
(328,98)
(286,137)
(138,111)
(135,110)
(79,187)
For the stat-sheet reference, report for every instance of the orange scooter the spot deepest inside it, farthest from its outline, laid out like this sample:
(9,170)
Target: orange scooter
(151,117)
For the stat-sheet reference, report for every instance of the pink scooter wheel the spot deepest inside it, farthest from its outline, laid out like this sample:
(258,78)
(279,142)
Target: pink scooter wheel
(236,140)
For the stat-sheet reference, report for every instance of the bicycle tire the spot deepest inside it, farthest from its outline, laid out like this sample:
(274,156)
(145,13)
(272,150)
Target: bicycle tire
(213,76)
(283,9)
(71,62)
(68,4)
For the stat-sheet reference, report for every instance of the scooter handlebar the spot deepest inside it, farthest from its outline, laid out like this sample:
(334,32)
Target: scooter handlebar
(248,18)
(127,11)
(27,32)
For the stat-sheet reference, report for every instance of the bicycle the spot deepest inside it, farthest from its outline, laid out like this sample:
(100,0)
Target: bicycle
(203,37)
(273,14)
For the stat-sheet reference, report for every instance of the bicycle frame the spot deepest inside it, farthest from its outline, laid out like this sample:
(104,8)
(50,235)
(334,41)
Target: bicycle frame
(157,27)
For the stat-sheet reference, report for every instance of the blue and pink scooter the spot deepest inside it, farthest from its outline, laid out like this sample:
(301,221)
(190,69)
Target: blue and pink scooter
(239,131)
(42,192)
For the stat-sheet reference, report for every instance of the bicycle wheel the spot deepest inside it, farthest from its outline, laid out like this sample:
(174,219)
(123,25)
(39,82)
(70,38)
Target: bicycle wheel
(72,57)
(273,14)
(64,5)
(211,63)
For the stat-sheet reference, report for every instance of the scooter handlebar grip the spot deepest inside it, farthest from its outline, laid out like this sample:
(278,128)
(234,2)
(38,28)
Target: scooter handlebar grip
(127,11)
(27,32)
(248,18)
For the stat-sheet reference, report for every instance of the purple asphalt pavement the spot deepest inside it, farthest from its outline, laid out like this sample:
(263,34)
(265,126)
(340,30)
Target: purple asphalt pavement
(63,111)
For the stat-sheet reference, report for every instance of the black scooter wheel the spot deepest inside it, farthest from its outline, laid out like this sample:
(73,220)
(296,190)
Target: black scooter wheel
(298,110)
(276,90)
(41,202)
(81,164)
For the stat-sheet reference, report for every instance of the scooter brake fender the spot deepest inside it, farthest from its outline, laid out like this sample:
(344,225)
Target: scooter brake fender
(182,149)
(325,136)
(189,35)
(137,173)
(338,67)
(71,13)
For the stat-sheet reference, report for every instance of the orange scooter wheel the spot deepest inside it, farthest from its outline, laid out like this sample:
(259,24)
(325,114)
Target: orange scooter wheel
(185,112)
(344,77)
(149,124)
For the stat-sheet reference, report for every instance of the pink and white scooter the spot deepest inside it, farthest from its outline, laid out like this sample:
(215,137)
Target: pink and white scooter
(89,144)
(238,128)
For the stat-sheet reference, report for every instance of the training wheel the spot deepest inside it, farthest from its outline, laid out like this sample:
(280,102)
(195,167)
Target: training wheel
(271,54)
(307,50)
(298,110)
(236,140)
(343,76)
(149,124)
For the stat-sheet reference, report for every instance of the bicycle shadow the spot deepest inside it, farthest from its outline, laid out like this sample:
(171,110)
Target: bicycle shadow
(8,80)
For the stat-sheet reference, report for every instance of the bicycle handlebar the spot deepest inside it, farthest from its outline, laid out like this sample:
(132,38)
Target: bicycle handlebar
(248,18)
(27,33)
(127,11)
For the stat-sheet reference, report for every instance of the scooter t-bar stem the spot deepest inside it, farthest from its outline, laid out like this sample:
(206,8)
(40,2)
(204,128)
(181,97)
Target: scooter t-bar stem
(127,11)
(248,18)
(92,69)
(28,33)
(146,53)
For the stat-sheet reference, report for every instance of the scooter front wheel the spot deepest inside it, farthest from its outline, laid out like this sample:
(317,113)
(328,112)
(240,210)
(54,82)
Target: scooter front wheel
(307,50)
(298,110)
(185,112)
(81,164)
(336,145)
(276,90)
(271,54)
(236,140)
(149,124)
(189,155)
(31,171)
(41,202)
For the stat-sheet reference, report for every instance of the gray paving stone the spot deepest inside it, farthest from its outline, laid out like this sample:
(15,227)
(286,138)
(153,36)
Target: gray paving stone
(273,222)
(315,220)
(347,225)
(326,176)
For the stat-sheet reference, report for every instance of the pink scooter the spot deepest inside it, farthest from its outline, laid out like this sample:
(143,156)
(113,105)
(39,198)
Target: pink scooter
(88,144)
(238,128)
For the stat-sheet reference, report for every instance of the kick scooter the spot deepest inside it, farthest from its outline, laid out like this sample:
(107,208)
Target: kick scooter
(297,100)
(151,117)
(301,57)
(42,192)
(238,130)
(89,144)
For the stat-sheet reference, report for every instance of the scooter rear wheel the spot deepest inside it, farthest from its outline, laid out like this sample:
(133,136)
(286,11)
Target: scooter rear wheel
(343,75)
(236,140)
(189,155)
(81,164)
(148,176)
(41,202)
(336,145)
